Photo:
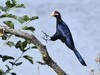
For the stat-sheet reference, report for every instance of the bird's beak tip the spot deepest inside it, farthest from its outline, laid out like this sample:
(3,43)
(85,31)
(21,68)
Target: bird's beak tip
(52,14)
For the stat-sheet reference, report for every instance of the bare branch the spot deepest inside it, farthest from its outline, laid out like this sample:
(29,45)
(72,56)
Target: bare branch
(43,50)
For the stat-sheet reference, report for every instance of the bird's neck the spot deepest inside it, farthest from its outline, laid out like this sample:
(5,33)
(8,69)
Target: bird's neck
(58,19)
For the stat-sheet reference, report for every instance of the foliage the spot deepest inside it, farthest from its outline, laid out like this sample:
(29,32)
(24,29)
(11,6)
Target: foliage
(29,58)
(23,46)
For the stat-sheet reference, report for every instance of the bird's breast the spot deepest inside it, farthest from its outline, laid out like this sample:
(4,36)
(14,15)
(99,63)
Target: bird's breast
(62,30)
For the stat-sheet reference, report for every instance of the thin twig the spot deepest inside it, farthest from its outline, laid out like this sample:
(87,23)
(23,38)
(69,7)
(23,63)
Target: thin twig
(7,71)
(42,63)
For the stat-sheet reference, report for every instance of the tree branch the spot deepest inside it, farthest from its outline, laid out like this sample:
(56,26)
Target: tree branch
(43,50)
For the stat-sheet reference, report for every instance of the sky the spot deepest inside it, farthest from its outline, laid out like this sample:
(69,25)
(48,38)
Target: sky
(83,19)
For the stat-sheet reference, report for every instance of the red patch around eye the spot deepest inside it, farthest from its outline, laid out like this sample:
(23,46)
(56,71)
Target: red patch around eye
(57,13)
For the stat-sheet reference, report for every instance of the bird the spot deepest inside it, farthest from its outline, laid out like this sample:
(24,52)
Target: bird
(63,33)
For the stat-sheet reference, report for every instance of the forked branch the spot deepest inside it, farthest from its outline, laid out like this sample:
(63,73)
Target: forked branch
(42,49)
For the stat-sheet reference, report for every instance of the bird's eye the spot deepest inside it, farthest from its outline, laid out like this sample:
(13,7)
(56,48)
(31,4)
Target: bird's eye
(56,14)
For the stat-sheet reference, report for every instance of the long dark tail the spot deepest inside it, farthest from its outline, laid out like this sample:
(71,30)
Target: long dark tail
(81,60)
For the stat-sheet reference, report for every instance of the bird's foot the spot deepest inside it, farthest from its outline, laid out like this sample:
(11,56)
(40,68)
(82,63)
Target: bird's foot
(46,37)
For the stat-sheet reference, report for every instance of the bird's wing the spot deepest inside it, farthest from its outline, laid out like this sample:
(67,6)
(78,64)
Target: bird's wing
(66,35)
(64,30)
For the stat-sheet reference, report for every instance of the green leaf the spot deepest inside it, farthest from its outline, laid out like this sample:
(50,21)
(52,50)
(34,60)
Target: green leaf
(3,9)
(19,63)
(14,1)
(20,19)
(20,6)
(13,73)
(12,63)
(5,57)
(24,44)
(28,28)
(9,24)
(29,58)
(8,68)
(10,43)
(34,18)
(1,72)
(19,45)
(9,4)
(25,18)
(9,15)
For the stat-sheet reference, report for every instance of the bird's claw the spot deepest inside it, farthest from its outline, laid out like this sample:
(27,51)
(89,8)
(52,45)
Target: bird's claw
(46,37)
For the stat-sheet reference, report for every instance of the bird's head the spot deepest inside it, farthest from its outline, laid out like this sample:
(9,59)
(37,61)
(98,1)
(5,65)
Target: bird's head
(56,14)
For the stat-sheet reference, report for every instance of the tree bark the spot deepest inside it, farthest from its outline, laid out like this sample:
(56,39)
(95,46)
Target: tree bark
(42,49)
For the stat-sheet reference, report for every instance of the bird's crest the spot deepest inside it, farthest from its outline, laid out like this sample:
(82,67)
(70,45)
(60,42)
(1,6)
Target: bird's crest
(55,13)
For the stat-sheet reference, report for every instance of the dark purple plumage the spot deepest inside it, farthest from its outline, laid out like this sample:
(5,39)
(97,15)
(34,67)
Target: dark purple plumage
(63,33)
